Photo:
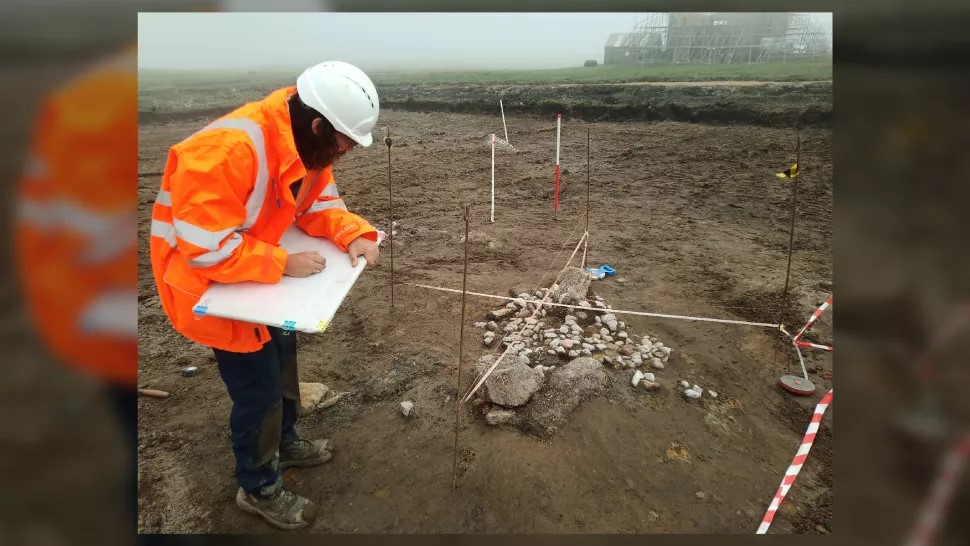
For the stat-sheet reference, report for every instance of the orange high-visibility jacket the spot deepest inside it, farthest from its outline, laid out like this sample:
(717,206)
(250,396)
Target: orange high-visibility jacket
(76,237)
(224,203)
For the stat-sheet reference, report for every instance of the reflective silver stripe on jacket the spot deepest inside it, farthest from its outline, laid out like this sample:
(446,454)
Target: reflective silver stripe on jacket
(213,240)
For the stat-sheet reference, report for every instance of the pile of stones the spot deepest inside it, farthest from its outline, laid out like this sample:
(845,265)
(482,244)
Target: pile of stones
(556,335)
(558,355)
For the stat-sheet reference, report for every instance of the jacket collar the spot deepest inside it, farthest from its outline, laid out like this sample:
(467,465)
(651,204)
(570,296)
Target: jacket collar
(282,145)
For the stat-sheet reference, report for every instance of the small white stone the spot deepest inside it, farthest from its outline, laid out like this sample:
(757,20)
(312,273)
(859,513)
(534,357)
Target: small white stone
(649,385)
(666,351)
(586,352)
(622,335)
(599,304)
(406,407)
(532,321)
(560,350)
(656,363)
(588,346)
(608,338)
(492,326)
(584,303)
(551,351)
(604,332)
(573,354)
(598,319)
(689,393)
(658,344)
(637,359)
(649,376)
(600,346)
(622,325)
(612,325)
(637,376)
(697,388)
(685,384)
(567,343)
(569,319)
(499,416)
(564,329)
(480,324)
(712,394)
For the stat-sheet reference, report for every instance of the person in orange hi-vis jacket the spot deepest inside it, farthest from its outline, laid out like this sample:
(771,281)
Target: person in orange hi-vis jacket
(76,235)
(227,195)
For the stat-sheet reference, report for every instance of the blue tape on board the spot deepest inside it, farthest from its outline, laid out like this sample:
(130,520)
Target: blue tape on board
(200,310)
(289,325)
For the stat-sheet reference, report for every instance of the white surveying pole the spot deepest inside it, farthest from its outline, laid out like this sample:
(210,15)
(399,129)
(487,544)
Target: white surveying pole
(493,179)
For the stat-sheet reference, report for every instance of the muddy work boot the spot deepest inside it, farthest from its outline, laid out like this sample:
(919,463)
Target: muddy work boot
(284,509)
(302,452)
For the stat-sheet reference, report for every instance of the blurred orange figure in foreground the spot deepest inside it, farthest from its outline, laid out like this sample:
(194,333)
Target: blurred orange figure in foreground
(76,227)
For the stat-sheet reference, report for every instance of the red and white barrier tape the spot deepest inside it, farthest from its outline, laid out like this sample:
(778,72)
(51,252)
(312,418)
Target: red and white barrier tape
(796,465)
(936,505)
(818,312)
(813,345)
(927,365)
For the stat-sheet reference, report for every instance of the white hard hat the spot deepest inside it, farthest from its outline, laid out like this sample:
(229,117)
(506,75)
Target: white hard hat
(344,95)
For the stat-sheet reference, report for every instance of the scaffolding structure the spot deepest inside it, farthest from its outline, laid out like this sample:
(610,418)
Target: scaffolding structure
(719,38)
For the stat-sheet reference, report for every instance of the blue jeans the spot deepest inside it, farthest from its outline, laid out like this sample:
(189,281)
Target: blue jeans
(265,392)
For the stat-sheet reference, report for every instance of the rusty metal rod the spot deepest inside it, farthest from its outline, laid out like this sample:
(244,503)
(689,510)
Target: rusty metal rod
(461,343)
(791,231)
(390,204)
(586,244)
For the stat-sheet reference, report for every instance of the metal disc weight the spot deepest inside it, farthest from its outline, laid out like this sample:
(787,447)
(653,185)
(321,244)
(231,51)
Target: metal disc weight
(796,384)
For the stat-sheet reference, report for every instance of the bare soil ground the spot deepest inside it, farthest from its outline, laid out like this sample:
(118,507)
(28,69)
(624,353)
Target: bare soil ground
(695,222)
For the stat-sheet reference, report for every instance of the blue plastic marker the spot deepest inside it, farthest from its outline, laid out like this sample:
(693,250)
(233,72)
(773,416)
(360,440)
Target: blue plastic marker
(602,271)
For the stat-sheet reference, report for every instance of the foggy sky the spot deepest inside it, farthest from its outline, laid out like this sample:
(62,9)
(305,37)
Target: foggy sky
(376,41)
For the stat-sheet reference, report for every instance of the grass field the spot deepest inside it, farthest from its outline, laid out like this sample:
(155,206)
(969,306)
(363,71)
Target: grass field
(801,70)
(798,70)
(174,91)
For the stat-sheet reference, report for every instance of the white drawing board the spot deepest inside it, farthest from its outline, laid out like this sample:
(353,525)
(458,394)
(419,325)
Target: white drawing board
(307,304)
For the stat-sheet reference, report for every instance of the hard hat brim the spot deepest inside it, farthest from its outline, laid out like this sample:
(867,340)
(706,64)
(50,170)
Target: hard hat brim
(365,140)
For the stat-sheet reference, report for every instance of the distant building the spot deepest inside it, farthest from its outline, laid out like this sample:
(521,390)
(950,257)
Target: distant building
(714,38)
